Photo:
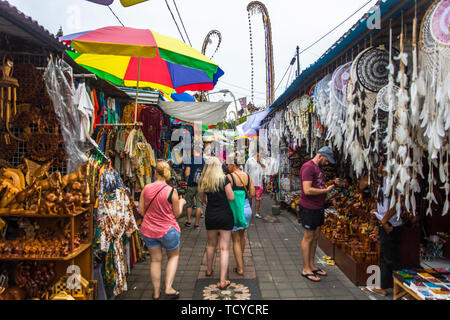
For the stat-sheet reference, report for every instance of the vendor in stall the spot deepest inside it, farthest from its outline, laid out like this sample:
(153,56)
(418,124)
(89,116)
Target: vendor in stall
(390,235)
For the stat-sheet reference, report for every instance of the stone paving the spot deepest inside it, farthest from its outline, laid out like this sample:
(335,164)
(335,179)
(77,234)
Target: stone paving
(272,258)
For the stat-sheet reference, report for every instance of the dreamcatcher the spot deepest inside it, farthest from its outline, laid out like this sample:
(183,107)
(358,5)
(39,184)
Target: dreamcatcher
(321,98)
(381,114)
(359,114)
(433,85)
(304,105)
(336,113)
(339,82)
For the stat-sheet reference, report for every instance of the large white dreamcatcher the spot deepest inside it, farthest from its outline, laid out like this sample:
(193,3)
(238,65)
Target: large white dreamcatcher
(433,86)
(337,107)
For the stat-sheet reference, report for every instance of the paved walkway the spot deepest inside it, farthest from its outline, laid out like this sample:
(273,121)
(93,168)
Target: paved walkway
(272,265)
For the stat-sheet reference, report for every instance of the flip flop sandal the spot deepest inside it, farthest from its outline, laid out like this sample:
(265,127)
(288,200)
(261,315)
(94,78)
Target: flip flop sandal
(369,289)
(208,274)
(172,296)
(226,286)
(316,272)
(309,275)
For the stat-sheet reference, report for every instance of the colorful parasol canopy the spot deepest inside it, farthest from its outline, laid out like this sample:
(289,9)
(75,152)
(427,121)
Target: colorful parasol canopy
(175,66)
(154,73)
(144,43)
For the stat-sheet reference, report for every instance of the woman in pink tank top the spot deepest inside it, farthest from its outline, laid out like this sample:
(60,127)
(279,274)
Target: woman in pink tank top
(160,206)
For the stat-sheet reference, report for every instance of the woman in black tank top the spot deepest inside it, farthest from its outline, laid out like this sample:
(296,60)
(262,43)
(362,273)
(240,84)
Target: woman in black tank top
(241,181)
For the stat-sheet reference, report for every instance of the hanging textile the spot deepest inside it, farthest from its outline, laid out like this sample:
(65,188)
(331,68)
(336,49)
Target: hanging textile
(208,112)
(152,120)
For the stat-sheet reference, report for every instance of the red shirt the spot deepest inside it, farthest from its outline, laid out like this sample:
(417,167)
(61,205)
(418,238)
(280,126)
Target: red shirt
(159,217)
(311,172)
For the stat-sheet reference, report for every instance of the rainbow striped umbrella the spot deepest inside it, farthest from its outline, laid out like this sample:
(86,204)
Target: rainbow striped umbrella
(126,56)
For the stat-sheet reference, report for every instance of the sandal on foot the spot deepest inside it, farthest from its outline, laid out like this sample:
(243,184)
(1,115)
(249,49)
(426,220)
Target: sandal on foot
(208,274)
(227,284)
(173,296)
(375,290)
(309,275)
(239,273)
(319,272)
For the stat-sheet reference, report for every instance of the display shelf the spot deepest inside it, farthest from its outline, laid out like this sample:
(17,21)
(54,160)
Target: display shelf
(73,255)
(354,270)
(34,214)
(326,245)
(400,290)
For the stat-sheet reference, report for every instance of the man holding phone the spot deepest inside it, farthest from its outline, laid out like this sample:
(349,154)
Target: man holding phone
(312,204)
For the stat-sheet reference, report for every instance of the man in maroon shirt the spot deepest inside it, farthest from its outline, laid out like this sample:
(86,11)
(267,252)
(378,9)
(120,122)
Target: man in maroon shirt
(312,204)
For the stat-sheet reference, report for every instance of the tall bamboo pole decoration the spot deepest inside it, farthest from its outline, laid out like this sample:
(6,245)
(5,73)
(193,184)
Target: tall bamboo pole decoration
(258,7)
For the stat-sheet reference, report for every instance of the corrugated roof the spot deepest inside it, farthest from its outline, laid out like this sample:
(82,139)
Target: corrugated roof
(16,23)
(346,42)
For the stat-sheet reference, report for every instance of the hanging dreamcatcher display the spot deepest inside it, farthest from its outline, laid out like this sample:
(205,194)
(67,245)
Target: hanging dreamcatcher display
(371,69)
(359,116)
(291,119)
(336,113)
(303,122)
(321,98)
(433,86)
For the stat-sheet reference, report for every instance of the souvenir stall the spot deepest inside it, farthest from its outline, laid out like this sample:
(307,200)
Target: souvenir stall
(379,96)
(46,206)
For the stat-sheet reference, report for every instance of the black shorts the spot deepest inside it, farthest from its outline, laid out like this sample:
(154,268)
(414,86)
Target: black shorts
(311,219)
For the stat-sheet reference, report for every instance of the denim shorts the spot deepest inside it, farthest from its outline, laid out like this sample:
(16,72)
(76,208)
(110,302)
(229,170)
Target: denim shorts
(170,241)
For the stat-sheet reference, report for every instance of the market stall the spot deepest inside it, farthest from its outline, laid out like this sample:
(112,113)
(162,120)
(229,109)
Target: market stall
(377,97)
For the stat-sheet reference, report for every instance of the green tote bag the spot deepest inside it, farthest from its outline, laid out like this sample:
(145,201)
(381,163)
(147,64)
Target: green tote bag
(237,206)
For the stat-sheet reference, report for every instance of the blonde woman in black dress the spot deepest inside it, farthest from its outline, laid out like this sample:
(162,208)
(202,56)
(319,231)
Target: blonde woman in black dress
(215,190)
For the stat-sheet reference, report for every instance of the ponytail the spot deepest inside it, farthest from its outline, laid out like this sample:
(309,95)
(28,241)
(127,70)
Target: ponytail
(163,170)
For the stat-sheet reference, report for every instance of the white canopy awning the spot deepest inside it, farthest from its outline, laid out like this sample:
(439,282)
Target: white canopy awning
(207,112)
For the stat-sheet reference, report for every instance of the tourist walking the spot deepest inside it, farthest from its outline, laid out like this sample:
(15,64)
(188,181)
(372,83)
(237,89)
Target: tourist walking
(215,190)
(241,181)
(192,174)
(312,204)
(160,206)
(255,168)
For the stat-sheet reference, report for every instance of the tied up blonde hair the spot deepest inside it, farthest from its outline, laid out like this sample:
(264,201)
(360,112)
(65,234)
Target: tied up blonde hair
(163,170)
(213,177)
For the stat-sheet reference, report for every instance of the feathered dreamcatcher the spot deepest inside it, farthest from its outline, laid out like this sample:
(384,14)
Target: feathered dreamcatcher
(433,86)
(337,106)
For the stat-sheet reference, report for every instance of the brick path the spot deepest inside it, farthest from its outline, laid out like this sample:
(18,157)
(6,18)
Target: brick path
(272,257)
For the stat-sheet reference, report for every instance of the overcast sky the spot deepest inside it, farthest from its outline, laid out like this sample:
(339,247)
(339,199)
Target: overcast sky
(294,22)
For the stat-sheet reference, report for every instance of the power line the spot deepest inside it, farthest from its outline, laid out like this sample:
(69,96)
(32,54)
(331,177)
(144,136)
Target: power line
(115,16)
(290,66)
(175,21)
(336,27)
(321,38)
(179,16)
(230,84)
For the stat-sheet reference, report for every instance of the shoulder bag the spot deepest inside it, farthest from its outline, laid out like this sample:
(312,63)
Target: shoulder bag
(237,206)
